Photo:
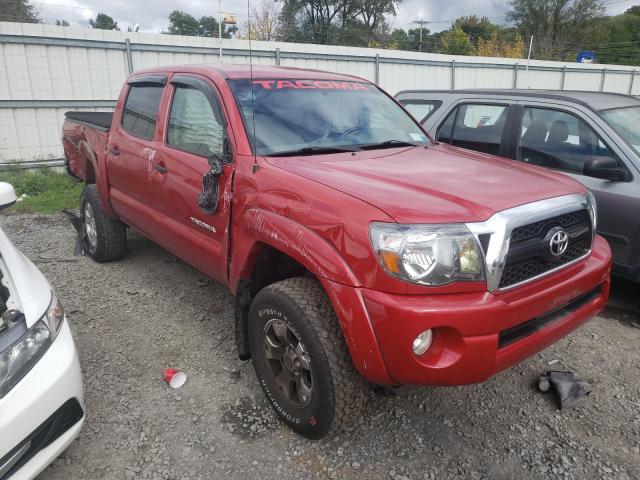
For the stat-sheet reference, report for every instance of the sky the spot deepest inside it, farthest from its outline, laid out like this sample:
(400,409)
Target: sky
(152,15)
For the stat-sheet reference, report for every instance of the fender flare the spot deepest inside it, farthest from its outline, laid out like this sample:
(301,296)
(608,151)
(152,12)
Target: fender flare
(100,178)
(321,258)
(286,235)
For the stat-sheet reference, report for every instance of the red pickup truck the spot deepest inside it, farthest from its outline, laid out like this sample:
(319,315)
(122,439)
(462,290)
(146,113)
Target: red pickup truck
(356,248)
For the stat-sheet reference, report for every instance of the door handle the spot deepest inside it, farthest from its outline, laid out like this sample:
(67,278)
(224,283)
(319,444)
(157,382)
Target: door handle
(160,168)
(114,151)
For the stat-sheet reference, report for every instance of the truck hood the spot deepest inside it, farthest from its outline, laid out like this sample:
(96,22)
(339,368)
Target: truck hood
(438,184)
(29,290)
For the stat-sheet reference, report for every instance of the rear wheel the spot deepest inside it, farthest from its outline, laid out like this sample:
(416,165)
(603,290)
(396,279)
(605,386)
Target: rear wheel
(104,239)
(301,358)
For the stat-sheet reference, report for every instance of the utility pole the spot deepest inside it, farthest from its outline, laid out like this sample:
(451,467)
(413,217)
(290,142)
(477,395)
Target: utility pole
(422,24)
(220,27)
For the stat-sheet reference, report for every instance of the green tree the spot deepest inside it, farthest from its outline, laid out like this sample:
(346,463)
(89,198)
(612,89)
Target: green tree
(104,22)
(62,23)
(456,42)
(181,23)
(553,22)
(18,11)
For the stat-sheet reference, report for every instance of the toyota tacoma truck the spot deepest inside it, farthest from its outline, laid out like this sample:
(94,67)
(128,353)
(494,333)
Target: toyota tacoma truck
(356,248)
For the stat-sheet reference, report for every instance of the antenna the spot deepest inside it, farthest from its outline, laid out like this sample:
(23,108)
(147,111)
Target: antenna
(253,105)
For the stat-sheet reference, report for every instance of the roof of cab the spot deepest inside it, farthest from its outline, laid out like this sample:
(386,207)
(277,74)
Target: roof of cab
(593,100)
(255,71)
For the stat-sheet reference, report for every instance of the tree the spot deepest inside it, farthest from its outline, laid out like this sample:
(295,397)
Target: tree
(62,23)
(494,46)
(104,22)
(18,11)
(263,23)
(342,22)
(456,42)
(181,23)
(553,22)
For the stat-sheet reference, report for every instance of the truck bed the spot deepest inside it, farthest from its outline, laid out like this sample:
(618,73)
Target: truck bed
(99,120)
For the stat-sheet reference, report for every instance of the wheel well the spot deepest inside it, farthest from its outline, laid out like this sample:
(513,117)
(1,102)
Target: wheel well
(270,266)
(90,175)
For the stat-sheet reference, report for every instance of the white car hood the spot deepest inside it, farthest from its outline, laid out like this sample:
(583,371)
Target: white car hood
(24,279)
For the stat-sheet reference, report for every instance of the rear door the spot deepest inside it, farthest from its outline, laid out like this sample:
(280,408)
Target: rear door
(131,150)
(563,138)
(194,131)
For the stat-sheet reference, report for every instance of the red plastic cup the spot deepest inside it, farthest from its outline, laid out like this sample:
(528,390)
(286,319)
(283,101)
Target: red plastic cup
(174,377)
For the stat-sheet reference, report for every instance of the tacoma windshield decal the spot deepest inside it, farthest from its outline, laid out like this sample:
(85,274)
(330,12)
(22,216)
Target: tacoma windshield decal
(313,84)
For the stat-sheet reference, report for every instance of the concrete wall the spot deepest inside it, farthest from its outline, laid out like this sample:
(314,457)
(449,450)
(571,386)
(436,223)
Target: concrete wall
(46,70)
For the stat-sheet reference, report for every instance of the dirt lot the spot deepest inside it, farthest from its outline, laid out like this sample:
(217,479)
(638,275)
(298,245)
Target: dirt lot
(133,318)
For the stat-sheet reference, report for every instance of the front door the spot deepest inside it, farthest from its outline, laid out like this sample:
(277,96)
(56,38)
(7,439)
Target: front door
(559,139)
(194,133)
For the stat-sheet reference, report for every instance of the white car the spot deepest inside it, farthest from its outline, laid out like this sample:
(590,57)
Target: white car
(41,400)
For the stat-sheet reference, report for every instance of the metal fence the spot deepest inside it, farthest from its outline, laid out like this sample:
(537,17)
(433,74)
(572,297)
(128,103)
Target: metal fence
(46,70)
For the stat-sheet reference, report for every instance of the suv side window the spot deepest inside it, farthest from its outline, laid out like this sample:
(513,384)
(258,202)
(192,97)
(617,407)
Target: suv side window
(480,127)
(558,140)
(141,110)
(193,124)
(476,127)
(420,109)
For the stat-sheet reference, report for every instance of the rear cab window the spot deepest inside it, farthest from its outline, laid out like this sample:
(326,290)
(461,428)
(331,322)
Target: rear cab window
(140,113)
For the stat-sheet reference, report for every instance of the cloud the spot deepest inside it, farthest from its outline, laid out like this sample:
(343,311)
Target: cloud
(153,16)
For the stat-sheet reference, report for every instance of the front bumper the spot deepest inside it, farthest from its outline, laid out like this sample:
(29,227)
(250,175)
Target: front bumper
(478,334)
(48,399)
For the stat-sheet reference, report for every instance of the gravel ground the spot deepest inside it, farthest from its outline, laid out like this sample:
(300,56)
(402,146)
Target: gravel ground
(133,318)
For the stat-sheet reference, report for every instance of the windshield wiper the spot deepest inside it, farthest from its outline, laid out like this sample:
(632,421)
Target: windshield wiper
(314,151)
(388,144)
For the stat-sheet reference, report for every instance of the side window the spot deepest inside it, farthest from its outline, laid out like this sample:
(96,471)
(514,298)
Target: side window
(445,130)
(193,125)
(141,110)
(480,127)
(558,140)
(420,109)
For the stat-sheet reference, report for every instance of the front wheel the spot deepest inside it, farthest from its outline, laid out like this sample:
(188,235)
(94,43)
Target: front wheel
(301,359)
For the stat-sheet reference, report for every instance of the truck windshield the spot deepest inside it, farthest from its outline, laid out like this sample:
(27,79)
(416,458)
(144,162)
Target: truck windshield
(306,117)
(626,123)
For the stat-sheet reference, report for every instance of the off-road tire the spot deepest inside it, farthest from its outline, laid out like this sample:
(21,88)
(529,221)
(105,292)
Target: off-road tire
(338,391)
(111,235)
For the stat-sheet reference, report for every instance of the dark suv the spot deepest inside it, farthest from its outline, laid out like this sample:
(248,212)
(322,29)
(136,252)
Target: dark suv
(593,137)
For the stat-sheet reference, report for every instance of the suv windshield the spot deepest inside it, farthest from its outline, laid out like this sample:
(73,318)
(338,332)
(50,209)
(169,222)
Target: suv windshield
(303,117)
(626,123)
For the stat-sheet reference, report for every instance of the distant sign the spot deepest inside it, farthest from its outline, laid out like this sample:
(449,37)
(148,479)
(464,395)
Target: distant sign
(586,56)
(229,19)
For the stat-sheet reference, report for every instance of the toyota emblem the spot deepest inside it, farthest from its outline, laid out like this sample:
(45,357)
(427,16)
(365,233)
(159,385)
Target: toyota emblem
(559,243)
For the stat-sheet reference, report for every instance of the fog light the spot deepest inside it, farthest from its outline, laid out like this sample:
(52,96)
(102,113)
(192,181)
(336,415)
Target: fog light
(422,342)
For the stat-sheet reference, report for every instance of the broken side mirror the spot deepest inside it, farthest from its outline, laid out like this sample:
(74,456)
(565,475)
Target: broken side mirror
(208,198)
(605,168)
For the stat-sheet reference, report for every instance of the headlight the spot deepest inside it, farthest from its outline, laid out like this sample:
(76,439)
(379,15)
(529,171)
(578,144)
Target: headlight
(428,254)
(54,315)
(16,361)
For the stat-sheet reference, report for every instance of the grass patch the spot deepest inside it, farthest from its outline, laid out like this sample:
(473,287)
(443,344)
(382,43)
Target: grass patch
(47,191)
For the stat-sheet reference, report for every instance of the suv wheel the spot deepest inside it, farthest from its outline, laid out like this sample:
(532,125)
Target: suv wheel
(301,358)
(105,239)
